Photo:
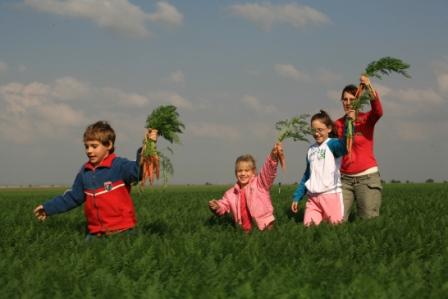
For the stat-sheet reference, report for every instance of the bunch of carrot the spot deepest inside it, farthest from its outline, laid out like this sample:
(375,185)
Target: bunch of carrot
(163,121)
(296,128)
(365,93)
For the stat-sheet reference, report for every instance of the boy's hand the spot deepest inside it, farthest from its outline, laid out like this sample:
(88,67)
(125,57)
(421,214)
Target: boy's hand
(295,207)
(152,134)
(40,213)
(213,205)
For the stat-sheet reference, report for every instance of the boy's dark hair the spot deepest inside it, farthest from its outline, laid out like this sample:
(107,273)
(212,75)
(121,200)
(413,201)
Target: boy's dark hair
(351,89)
(325,118)
(101,131)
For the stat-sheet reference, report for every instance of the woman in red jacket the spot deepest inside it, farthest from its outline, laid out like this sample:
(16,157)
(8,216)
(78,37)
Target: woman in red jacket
(360,178)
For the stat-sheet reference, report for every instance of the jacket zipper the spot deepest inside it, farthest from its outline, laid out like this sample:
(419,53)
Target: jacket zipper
(95,206)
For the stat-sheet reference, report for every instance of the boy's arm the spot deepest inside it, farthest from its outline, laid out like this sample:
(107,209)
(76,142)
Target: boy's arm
(130,170)
(69,200)
(301,189)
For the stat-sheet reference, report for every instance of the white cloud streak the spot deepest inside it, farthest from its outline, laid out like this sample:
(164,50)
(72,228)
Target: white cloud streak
(117,15)
(266,15)
(291,72)
(442,82)
(173,98)
(254,104)
(31,111)
(38,111)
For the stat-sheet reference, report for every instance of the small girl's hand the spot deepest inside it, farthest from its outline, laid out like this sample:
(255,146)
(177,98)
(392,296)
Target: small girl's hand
(277,152)
(40,213)
(213,205)
(295,207)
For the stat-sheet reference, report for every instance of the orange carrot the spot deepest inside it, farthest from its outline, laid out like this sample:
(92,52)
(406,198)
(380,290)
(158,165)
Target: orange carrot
(157,166)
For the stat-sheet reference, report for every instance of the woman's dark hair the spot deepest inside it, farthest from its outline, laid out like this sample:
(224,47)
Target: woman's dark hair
(351,89)
(326,120)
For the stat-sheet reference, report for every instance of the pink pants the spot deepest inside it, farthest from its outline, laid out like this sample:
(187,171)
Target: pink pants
(328,207)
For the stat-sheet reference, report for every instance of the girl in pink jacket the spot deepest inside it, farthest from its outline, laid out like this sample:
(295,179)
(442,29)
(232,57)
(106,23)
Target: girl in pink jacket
(249,198)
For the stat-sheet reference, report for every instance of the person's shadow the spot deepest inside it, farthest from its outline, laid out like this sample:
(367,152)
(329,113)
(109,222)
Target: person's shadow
(221,221)
(157,227)
(297,217)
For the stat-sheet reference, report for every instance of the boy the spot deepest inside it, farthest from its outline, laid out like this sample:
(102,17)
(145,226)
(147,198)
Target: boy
(103,183)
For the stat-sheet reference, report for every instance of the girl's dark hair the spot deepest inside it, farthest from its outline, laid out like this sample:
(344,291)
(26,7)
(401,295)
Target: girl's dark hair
(325,118)
(351,89)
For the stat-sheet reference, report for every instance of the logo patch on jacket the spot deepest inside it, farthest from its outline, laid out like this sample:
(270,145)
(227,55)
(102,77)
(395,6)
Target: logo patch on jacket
(108,186)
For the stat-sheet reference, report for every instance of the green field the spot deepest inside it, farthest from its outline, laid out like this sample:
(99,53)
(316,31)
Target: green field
(181,251)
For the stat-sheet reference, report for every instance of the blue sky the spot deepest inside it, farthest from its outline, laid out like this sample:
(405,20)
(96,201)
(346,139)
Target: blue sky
(233,68)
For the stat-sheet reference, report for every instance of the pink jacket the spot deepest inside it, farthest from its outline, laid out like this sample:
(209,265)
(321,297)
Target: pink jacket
(257,196)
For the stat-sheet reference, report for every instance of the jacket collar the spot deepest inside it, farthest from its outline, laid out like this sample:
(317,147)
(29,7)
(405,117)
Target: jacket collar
(107,162)
(237,188)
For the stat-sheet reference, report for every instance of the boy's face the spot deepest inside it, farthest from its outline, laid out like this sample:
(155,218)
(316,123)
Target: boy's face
(244,172)
(96,151)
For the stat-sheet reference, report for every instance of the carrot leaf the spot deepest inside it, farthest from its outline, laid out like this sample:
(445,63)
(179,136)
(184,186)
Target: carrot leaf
(386,66)
(296,128)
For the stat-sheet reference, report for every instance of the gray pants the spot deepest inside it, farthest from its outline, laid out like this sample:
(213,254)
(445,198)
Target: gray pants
(366,191)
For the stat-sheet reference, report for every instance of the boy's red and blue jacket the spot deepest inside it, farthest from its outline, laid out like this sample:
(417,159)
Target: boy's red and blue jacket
(105,190)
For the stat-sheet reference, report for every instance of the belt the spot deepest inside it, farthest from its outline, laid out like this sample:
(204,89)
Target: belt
(359,178)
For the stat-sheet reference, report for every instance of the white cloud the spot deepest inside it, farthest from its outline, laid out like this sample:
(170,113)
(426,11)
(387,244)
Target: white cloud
(215,131)
(290,71)
(421,96)
(254,104)
(166,13)
(18,98)
(122,98)
(117,15)
(382,90)
(266,15)
(60,113)
(172,98)
(69,88)
(442,82)
(32,111)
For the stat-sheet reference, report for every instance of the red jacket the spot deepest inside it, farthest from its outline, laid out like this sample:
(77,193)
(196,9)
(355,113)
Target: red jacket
(105,190)
(362,156)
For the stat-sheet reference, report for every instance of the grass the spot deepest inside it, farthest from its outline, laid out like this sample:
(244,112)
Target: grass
(180,250)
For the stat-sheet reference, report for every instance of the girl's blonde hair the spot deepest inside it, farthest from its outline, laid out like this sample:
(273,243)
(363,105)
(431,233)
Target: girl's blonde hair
(245,158)
(102,132)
